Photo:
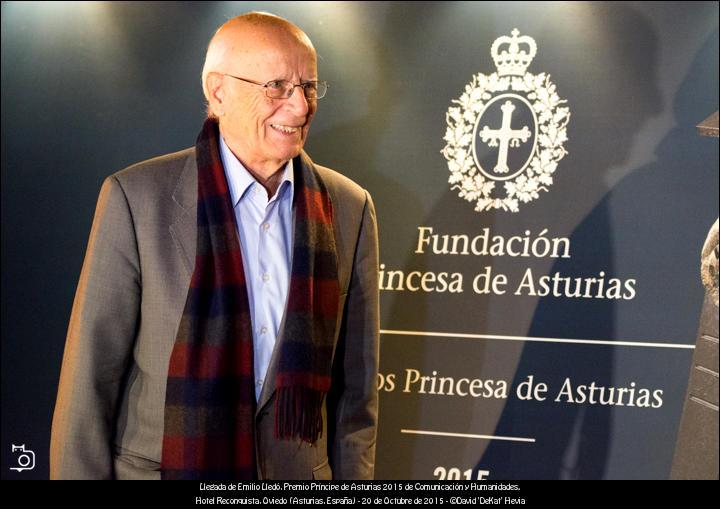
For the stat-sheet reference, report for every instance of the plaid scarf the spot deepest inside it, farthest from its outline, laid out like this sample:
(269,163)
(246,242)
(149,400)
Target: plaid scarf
(210,400)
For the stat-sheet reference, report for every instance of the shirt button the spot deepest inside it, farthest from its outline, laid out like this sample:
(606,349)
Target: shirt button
(266,277)
(265,226)
(263,330)
(259,382)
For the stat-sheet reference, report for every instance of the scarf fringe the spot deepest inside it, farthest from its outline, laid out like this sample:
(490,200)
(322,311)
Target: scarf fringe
(298,413)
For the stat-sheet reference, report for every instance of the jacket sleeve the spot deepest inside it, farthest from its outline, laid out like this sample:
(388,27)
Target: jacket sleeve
(354,411)
(100,339)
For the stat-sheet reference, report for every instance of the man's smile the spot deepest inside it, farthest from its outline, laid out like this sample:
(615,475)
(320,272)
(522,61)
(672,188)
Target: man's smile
(286,129)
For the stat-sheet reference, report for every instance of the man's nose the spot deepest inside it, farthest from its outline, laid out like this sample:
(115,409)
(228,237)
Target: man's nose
(298,101)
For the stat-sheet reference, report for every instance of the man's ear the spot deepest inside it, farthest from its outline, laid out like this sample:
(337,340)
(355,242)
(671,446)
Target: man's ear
(215,93)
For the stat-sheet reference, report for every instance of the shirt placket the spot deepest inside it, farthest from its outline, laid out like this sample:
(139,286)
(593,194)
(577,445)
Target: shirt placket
(266,330)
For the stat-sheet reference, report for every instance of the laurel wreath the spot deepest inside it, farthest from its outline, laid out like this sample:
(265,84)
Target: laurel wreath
(538,175)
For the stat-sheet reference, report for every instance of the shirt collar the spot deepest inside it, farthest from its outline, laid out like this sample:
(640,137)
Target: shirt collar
(240,180)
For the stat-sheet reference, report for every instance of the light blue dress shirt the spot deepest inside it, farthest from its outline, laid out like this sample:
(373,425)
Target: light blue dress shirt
(265,230)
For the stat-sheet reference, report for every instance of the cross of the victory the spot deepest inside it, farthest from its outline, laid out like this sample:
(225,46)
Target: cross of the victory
(508,137)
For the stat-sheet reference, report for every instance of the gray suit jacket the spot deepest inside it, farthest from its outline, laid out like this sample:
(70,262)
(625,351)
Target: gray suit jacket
(109,415)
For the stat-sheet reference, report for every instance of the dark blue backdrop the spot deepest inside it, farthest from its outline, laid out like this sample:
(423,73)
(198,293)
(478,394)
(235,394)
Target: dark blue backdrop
(89,88)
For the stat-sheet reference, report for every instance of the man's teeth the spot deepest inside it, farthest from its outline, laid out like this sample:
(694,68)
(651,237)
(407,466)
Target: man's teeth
(284,128)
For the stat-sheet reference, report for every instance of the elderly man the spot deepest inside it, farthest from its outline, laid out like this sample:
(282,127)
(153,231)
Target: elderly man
(225,324)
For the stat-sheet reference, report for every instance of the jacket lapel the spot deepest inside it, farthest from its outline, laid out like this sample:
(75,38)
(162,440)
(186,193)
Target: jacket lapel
(183,227)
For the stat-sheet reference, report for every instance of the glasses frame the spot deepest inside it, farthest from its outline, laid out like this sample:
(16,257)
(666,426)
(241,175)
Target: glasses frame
(266,86)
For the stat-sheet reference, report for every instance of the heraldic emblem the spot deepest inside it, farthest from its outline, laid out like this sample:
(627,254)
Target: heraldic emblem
(505,133)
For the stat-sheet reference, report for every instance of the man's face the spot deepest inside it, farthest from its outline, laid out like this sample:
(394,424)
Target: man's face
(264,133)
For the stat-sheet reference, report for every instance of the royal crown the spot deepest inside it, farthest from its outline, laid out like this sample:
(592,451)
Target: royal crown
(509,57)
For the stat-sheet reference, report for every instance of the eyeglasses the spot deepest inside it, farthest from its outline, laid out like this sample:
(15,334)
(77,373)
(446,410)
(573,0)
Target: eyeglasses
(283,89)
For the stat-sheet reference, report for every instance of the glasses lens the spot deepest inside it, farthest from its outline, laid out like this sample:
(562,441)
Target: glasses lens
(319,89)
(283,89)
(278,89)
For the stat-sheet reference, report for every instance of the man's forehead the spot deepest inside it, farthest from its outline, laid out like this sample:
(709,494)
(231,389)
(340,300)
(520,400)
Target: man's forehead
(268,46)
(258,38)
